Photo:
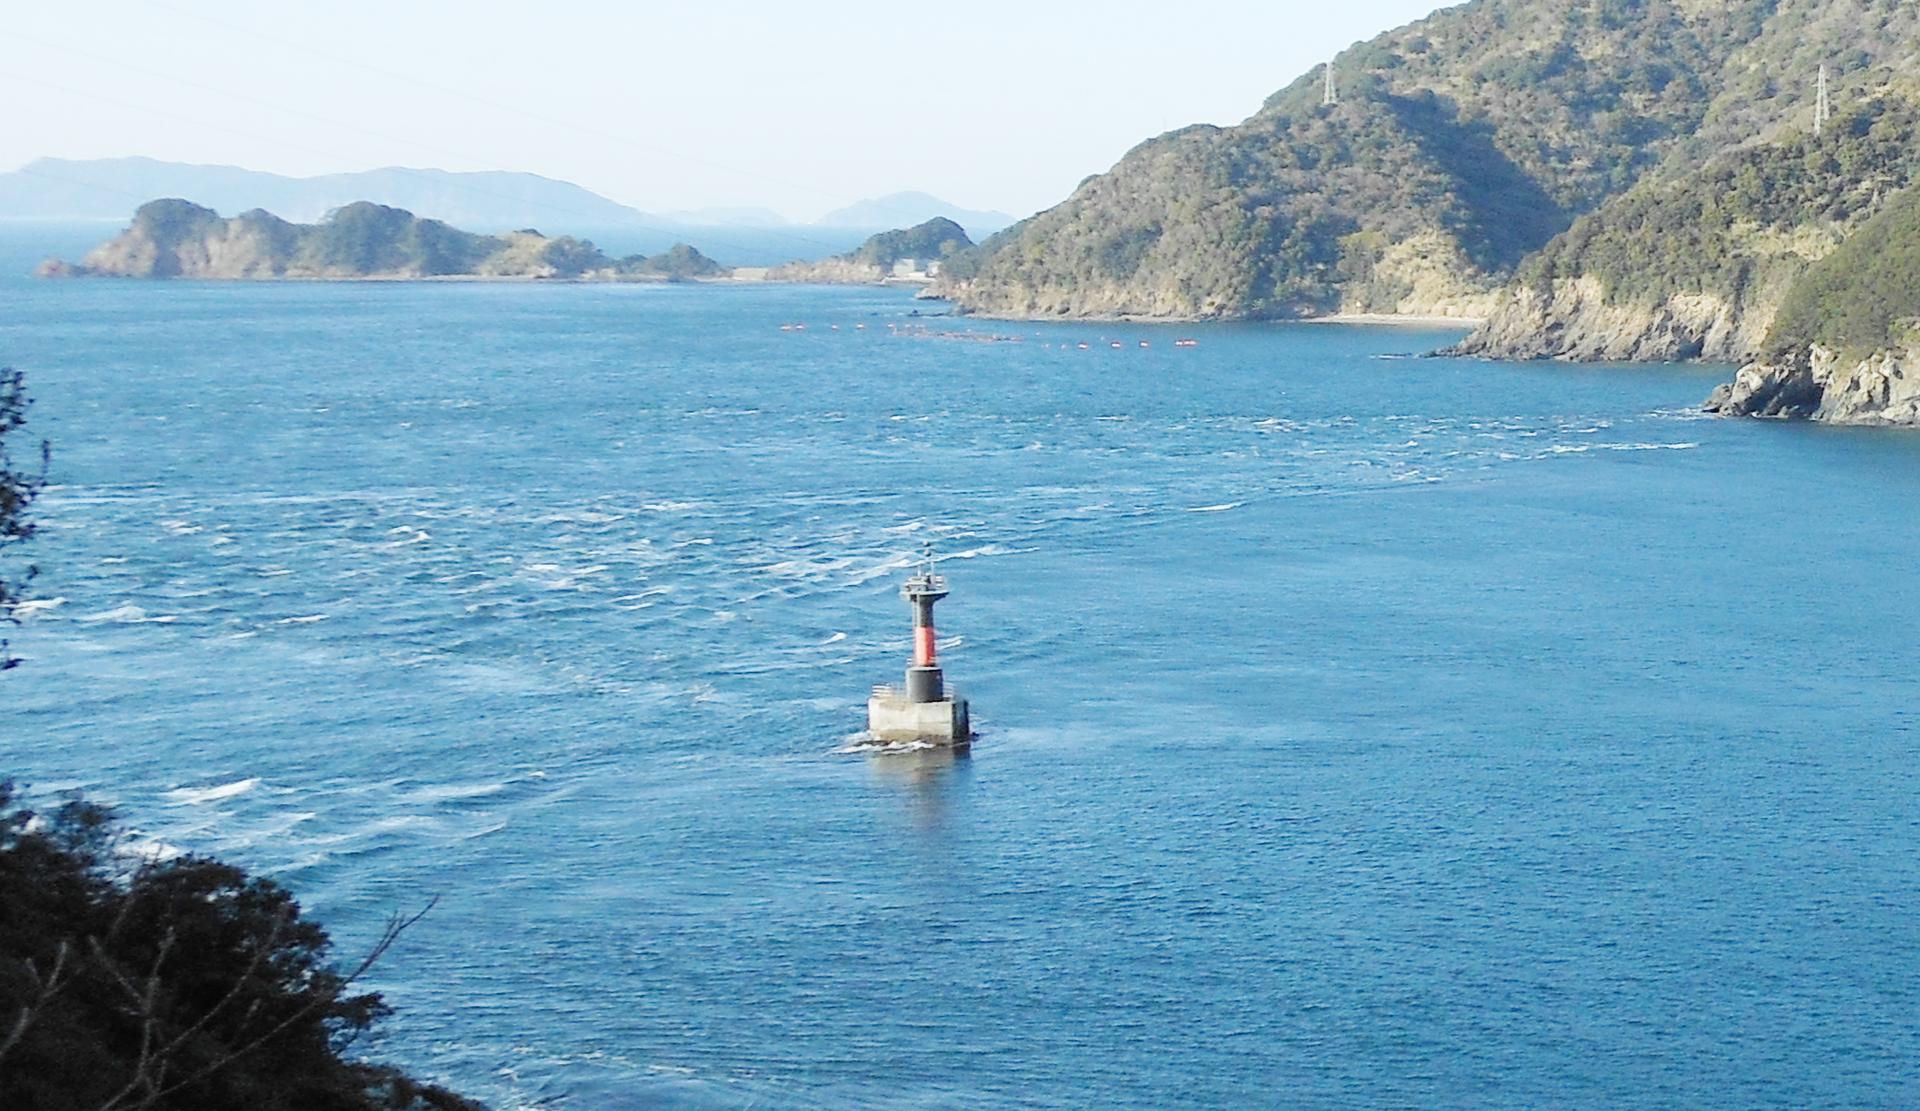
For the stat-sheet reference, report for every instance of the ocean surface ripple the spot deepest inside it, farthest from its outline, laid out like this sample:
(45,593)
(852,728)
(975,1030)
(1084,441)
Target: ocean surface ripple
(1357,731)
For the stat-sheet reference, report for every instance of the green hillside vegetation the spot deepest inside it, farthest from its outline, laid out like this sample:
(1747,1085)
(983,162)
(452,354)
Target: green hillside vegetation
(1755,213)
(1767,86)
(1863,298)
(1458,145)
(367,238)
(1601,178)
(937,239)
(173,238)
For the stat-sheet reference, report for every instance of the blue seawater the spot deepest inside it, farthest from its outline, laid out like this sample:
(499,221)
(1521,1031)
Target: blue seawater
(1357,730)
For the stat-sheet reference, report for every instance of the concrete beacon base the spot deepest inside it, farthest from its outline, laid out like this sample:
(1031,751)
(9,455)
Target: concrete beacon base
(893,716)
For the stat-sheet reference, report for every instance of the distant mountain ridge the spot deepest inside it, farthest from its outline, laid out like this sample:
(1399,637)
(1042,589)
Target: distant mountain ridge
(109,188)
(901,210)
(488,201)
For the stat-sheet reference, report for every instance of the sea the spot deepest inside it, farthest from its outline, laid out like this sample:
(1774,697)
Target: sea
(1357,729)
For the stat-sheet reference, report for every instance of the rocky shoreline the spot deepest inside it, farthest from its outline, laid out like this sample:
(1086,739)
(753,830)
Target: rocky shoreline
(1575,322)
(1821,384)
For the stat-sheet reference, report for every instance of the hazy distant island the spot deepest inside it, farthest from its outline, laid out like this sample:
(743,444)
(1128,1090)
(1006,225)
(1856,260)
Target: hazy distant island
(1579,179)
(174,238)
(906,255)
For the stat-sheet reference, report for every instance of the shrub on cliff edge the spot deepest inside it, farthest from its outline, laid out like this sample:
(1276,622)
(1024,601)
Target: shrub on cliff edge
(171,985)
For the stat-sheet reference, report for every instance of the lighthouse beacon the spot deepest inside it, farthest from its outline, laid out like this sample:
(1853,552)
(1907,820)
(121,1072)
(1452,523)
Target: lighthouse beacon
(923,709)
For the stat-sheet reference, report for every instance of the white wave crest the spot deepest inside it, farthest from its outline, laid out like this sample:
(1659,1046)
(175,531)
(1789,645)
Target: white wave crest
(126,615)
(192,796)
(37,606)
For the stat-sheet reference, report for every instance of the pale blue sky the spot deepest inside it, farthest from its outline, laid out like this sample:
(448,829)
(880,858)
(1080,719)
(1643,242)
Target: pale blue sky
(798,107)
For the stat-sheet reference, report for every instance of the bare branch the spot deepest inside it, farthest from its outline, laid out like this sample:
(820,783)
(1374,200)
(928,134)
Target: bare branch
(48,988)
(396,926)
(148,1002)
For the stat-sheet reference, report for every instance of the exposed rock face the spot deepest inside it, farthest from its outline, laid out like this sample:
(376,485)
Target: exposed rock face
(1574,320)
(174,238)
(1703,267)
(1822,384)
(1784,389)
(177,239)
(829,271)
(1424,274)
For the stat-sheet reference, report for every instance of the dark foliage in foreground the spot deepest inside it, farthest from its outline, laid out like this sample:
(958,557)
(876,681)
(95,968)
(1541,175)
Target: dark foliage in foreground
(182,984)
(19,486)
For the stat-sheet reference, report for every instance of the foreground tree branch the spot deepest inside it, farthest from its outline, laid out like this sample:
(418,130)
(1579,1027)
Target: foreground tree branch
(183,984)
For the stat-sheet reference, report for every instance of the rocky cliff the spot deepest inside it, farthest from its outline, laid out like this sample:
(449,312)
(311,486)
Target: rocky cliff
(1698,266)
(174,238)
(1844,346)
(1573,318)
(1827,385)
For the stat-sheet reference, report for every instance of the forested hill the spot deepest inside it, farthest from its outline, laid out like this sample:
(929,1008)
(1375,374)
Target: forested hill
(1457,148)
(1696,261)
(1698,267)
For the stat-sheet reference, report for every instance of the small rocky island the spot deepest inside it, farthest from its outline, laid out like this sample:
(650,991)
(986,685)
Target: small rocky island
(173,238)
(912,254)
